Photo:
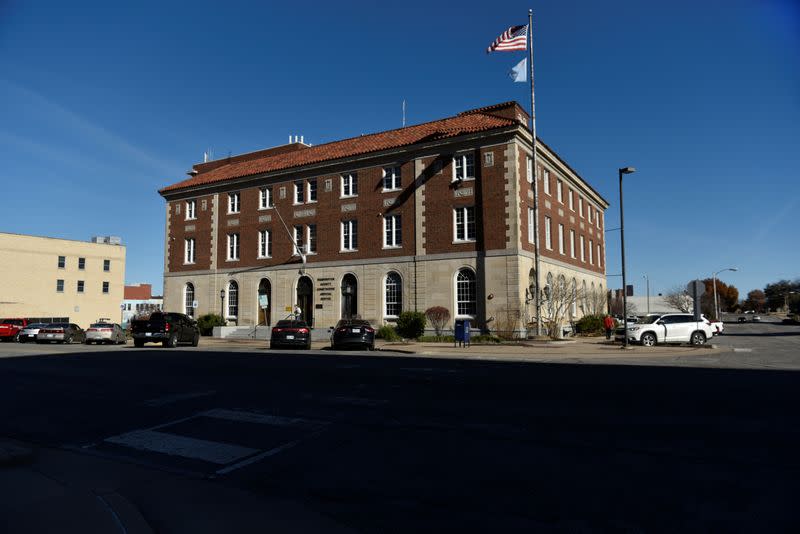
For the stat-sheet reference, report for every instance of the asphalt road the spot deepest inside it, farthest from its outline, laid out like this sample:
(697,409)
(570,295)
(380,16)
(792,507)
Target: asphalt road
(399,444)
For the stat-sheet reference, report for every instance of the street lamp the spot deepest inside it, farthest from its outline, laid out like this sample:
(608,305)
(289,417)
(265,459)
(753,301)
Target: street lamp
(714,283)
(222,303)
(648,293)
(623,170)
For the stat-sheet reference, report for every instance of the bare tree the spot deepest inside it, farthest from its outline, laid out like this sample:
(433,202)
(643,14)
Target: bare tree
(559,298)
(594,302)
(679,298)
(616,304)
(438,317)
(508,321)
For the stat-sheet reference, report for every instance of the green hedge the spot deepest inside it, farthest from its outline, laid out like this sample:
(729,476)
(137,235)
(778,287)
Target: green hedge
(411,325)
(388,333)
(590,324)
(207,322)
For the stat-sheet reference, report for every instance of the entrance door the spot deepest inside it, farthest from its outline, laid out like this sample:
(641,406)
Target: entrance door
(265,297)
(349,297)
(305,299)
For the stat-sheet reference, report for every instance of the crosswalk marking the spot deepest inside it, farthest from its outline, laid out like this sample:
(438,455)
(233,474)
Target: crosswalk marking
(262,419)
(175,445)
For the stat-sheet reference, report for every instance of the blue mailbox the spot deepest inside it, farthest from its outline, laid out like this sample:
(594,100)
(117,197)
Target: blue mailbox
(462,332)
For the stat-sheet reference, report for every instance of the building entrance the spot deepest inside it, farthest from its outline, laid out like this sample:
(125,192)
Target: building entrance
(305,299)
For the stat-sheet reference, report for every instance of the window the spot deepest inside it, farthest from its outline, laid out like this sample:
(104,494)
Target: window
(571,200)
(547,181)
(599,256)
(188,253)
(548,242)
(265,198)
(188,299)
(531,236)
(264,244)
(349,185)
(597,219)
(80,286)
(106,265)
(559,191)
(233,202)
(177,209)
(466,293)
(572,243)
(233,300)
(529,169)
(81,263)
(464,166)
(589,211)
(105,287)
(299,192)
(233,247)
(392,233)
(488,159)
(391,178)
(349,235)
(394,295)
(580,206)
(561,239)
(312,190)
(299,241)
(312,238)
(62,261)
(583,251)
(464,223)
(59,286)
(591,253)
(190,205)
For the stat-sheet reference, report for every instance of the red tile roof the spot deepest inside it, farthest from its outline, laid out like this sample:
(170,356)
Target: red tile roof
(476,120)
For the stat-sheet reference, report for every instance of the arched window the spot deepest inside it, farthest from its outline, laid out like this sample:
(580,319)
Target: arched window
(466,293)
(574,297)
(188,299)
(394,295)
(233,299)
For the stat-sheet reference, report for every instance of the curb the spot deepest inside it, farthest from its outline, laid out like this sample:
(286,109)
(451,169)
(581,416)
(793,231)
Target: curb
(12,453)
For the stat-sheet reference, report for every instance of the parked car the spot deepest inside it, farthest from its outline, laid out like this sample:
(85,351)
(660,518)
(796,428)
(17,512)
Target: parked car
(105,333)
(353,333)
(61,333)
(290,333)
(668,328)
(10,328)
(30,332)
(167,328)
(742,319)
(718,326)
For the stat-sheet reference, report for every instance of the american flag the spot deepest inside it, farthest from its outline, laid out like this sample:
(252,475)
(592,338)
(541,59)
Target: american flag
(514,38)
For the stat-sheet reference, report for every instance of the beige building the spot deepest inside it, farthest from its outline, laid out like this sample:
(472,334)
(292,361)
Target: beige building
(78,281)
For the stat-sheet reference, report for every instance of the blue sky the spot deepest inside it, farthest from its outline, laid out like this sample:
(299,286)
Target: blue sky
(101,105)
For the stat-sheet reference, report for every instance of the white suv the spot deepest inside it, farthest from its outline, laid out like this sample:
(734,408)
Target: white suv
(667,328)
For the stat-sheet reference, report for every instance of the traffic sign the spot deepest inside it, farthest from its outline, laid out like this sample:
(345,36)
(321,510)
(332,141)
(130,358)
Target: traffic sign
(696,287)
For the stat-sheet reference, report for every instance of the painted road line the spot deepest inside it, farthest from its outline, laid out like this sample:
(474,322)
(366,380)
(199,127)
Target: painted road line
(177,397)
(250,417)
(266,454)
(742,350)
(174,445)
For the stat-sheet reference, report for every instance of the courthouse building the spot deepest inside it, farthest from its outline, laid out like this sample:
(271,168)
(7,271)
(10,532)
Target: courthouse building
(51,279)
(435,214)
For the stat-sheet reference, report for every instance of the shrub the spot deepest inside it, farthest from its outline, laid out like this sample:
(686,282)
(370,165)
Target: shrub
(411,324)
(590,324)
(387,332)
(437,339)
(206,323)
(438,317)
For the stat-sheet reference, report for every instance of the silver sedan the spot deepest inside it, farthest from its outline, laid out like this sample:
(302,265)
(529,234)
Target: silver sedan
(105,333)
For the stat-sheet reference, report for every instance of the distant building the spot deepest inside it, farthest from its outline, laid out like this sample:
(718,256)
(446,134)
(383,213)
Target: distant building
(61,279)
(139,300)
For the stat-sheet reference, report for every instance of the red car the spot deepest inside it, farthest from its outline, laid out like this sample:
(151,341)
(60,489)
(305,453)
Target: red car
(10,328)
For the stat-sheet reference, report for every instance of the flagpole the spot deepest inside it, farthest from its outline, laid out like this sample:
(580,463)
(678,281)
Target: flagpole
(537,295)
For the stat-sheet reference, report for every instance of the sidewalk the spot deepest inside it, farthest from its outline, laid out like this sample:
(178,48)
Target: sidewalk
(54,490)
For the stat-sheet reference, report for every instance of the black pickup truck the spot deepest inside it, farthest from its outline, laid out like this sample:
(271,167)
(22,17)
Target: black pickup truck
(166,328)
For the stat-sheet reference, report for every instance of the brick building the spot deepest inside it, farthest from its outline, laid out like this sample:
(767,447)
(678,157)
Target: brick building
(438,213)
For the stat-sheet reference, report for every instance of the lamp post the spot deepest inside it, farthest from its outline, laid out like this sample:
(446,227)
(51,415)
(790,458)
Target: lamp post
(714,283)
(623,170)
(648,293)
(222,303)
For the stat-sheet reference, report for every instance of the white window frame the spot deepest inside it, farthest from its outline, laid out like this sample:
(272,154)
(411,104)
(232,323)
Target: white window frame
(548,239)
(583,248)
(456,294)
(531,236)
(561,238)
(393,175)
(464,159)
(580,206)
(228,314)
(349,242)
(571,200)
(547,182)
(560,191)
(234,202)
(591,252)
(349,183)
(597,219)
(233,247)
(589,212)
(190,210)
(529,169)
(264,244)
(572,243)
(465,211)
(298,192)
(399,302)
(265,198)
(189,251)
(311,246)
(599,256)
(299,234)
(311,192)
(392,231)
